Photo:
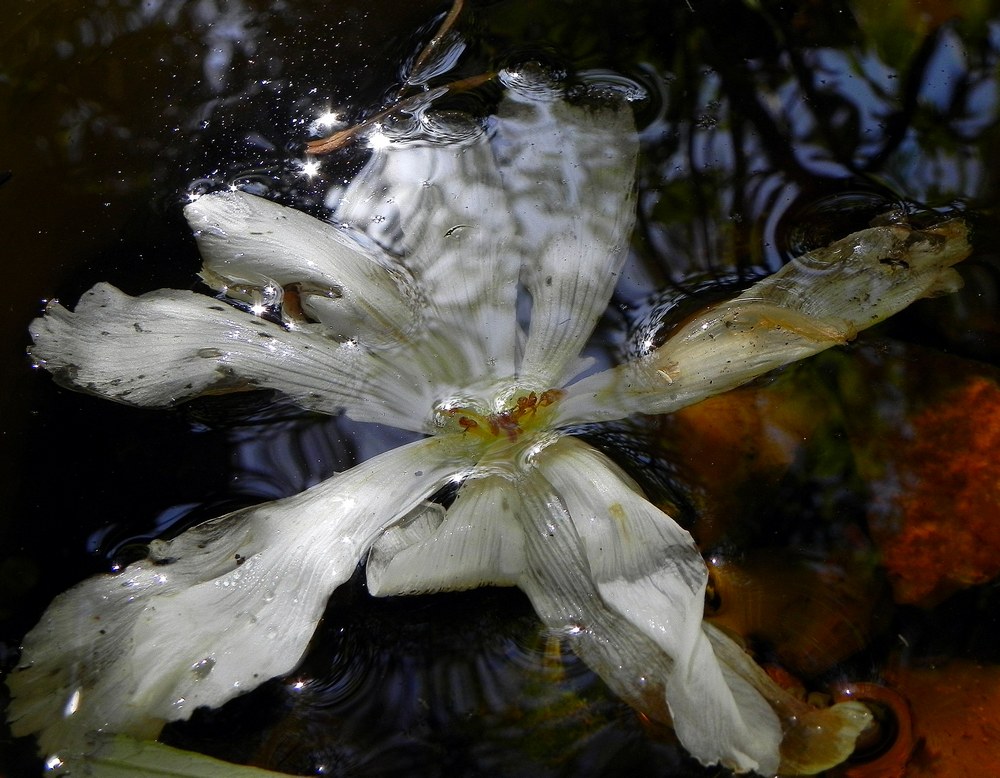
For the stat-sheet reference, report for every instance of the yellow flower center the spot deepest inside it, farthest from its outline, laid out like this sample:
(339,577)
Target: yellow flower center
(524,413)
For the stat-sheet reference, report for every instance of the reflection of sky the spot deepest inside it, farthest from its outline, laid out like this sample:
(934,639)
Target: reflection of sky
(868,93)
(837,124)
(947,68)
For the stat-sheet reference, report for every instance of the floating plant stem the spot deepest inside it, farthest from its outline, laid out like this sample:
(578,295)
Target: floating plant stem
(435,42)
(341,138)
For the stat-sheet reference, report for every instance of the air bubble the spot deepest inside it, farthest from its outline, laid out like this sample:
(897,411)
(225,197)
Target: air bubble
(201,669)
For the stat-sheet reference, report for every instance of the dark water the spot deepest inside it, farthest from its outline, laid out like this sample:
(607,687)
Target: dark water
(766,131)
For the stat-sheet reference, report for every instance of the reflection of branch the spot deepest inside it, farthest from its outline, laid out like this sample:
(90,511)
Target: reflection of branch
(778,146)
(899,122)
(650,255)
(700,203)
(432,45)
(341,138)
(742,247)
(824,101)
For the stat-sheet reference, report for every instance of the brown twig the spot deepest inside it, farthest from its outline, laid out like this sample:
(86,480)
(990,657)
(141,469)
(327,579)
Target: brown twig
(341,138)
(433,43)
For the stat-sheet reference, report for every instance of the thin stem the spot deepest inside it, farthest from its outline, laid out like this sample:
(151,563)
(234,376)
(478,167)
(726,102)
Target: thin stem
(432,45)
(341,138)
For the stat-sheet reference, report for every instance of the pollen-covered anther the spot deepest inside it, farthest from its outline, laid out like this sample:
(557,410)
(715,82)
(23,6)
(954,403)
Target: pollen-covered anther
(510,422)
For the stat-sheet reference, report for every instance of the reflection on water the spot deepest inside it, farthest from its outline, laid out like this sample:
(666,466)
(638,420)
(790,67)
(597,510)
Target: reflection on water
(387,690)
(766,131)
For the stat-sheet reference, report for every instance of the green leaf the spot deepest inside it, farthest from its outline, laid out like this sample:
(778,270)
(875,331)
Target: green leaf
(123,757)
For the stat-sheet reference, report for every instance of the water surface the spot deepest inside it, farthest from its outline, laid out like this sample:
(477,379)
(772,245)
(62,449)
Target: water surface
(766,131)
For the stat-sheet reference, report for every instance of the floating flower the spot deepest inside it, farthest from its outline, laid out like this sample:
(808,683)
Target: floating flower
(409,311)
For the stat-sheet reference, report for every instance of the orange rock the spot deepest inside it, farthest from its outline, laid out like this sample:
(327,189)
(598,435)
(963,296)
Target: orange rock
(809,615)
(956,716)
(732,450)
(940,531)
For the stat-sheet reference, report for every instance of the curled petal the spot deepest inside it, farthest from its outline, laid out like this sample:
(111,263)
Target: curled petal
(815,738)
(355,291)
(626,586)
(569,172)
(476,542)
(167,346)
(212,613)
(821,299)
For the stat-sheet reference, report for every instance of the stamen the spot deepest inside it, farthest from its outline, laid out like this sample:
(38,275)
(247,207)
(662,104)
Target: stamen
(510,422)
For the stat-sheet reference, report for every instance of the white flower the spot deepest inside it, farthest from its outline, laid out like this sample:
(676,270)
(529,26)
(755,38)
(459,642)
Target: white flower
(406,313)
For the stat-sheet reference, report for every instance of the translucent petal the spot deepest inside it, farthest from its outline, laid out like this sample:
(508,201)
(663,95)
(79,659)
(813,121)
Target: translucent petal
(212,613)
(821,299)
(816,738)
(626,586)
(476,542)
(437,202)
(167,346)
(569,173)
(357,291)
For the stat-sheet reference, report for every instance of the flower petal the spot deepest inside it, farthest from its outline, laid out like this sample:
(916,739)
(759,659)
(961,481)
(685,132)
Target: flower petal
(821,299)
(476,542)
(437,202)
(356,292)
(815,739)
(626,586)
(569,173)
(213,612)
(170,345)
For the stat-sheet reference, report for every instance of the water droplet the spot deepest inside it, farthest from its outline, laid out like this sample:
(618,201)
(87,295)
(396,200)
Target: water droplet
(203,668)
(72,704)
(258,293)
